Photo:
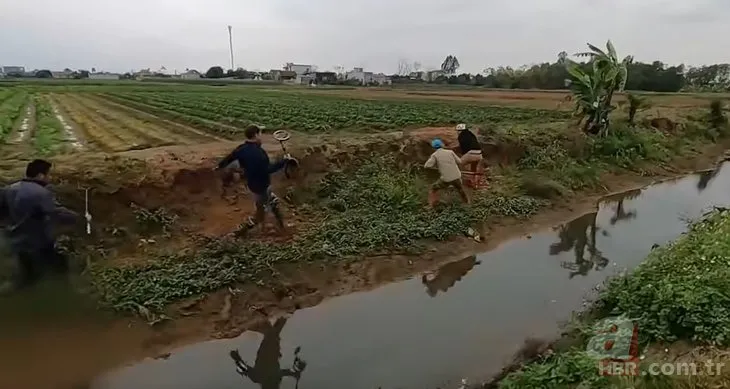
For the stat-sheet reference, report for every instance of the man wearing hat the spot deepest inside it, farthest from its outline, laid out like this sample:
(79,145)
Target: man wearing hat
(471,154)
(447,163)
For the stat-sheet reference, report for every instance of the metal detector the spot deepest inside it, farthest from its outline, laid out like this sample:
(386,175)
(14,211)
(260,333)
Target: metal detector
(291,163)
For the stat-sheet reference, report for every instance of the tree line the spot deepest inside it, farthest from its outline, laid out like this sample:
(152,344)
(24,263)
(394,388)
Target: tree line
(656,76)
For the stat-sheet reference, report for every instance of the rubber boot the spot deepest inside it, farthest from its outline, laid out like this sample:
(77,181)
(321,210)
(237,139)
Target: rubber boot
(433,198)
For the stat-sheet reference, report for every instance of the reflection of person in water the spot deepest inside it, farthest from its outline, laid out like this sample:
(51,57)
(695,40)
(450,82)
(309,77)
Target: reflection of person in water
(267,371)
(447,275)
(706,177)
(619,199)
(578,235)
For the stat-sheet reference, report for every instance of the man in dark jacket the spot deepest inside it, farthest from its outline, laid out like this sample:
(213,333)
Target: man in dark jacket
(30,209)
(471,154)
(252,158)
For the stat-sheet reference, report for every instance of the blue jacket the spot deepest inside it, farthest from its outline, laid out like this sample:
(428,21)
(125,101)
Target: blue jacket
(31,208)
(255,162)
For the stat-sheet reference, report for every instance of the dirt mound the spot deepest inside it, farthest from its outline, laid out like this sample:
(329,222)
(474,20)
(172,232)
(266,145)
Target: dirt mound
(182,180)
(663,124)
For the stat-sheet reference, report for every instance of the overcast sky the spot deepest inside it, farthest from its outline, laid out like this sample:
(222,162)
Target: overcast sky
(375,34)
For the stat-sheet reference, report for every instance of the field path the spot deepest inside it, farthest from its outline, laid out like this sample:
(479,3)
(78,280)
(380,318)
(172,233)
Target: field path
(153,121)
(72,134)
(24,126)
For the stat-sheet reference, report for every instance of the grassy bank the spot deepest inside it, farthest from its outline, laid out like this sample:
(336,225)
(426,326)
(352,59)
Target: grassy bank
(680,300)
(377,206)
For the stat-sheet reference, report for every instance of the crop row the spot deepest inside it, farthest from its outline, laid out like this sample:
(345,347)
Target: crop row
(10,109)
(102,133)
(174,118)
(48,136)
(312,113)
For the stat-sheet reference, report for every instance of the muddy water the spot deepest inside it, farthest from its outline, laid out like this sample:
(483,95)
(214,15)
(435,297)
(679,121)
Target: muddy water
(465,321)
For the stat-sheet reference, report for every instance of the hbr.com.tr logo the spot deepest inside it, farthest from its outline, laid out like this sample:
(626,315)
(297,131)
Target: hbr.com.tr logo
(616,346)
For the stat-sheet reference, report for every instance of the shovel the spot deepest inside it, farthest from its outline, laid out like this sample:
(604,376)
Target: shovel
(283,136)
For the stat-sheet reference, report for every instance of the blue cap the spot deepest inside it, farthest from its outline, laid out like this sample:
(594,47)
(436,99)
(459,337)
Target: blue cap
(437,143)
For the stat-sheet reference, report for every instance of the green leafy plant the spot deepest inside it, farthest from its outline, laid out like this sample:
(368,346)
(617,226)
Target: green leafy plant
(718,119)
(636,104)
(593,85)
(154,220)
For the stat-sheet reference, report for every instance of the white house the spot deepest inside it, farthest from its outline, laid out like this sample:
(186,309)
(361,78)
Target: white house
(359,74)
(366,78)
(432,75)
(381,79)
(298,68)
(104,76)
(190,75)
(66,73)
(13,69)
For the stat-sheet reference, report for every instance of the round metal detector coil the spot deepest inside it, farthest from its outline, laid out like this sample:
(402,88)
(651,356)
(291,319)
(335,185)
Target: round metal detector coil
(281,135)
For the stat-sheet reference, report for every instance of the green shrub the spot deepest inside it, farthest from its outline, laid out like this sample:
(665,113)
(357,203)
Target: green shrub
(681,290)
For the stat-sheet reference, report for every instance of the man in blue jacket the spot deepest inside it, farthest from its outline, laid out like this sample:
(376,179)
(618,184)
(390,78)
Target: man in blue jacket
(30,209)
(254,161)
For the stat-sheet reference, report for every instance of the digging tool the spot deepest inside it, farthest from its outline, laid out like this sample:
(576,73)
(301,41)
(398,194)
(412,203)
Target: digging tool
(283,136)
(87,215)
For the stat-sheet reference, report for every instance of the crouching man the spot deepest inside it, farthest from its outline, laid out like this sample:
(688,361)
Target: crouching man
(447,163)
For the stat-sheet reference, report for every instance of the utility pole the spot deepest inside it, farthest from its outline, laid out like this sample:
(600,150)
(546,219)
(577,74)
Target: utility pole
(230,42)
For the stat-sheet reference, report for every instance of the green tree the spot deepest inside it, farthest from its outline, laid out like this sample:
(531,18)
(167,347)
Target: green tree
(44,74)
(593,86)
(215,72)
(450,65)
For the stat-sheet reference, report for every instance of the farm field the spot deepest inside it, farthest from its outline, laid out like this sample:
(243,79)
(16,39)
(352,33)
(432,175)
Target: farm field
(48,120)
(166,243)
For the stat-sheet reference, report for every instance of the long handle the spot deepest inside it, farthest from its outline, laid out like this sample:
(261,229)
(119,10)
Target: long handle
(86,213)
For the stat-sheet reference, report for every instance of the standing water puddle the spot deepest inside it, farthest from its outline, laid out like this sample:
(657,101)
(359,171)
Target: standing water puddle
(467,320)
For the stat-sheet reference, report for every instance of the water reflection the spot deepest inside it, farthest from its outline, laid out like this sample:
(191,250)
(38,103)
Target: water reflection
(580,236)
(447,275)
(267,371)
(706,177)
(620,212)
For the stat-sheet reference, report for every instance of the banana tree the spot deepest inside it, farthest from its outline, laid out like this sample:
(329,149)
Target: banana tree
(593,85)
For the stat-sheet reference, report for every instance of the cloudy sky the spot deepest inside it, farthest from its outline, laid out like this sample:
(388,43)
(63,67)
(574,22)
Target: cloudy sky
(376,34)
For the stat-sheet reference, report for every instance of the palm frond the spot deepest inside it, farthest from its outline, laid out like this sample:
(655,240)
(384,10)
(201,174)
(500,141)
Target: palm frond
(611,51)
(596,50)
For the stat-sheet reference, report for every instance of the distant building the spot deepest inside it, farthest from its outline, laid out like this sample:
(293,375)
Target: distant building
(305,79)
(433,75)
(366,78)
(190,75)
(104,76)
(298,68)
(381,79)
(143,74)
(283,75)
(12,69)
(325,77)
(65,74)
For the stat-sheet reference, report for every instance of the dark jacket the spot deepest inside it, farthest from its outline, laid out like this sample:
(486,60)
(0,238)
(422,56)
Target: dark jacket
(30,209)
(255,162)
(468,142)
